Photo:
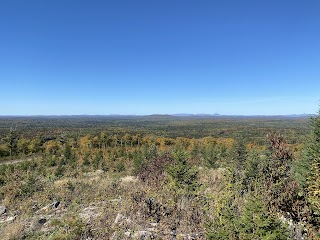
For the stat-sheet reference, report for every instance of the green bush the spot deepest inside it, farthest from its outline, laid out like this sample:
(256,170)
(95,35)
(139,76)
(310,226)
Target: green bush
(250,221)
(182,177)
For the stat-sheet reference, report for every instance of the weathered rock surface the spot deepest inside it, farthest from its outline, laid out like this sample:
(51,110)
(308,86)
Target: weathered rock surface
(297,231)
(9,219)
(53,205)
(3,210)
(141,235)
(90,213)
(119,218)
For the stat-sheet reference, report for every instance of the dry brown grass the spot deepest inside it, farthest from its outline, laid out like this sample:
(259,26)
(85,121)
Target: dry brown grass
(97,199)
(12,231)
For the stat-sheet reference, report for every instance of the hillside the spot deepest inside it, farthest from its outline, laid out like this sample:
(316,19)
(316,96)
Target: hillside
(98,177)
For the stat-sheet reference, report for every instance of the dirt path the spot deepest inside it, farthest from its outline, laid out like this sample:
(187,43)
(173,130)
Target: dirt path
(17,160)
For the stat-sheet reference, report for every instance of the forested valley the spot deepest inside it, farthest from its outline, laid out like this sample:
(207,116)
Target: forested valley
(160,177)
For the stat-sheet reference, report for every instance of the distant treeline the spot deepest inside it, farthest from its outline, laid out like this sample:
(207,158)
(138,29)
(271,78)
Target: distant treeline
(251,129)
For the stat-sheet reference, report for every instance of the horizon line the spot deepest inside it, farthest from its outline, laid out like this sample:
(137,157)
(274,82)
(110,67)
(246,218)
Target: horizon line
(154,114)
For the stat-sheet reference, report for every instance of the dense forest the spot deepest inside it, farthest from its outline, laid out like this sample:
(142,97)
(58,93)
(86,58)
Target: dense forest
(31,133)
(160,177)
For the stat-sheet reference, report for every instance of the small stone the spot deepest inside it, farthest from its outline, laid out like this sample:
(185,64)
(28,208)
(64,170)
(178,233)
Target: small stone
(119,218)
(56,204)
(154,224)
(11,219)
(42,221)
(3,210)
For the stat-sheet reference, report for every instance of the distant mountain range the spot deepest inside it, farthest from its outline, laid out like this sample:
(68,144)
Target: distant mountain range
(216,115)
(199,115)
(219,115)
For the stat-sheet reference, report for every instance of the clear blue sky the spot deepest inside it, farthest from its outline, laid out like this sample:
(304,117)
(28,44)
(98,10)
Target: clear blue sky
(159,56)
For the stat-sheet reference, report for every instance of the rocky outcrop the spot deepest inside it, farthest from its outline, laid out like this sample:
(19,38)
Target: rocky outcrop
(297,231)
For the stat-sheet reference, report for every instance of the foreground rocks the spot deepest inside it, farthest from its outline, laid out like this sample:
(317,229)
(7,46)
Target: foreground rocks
(3,210)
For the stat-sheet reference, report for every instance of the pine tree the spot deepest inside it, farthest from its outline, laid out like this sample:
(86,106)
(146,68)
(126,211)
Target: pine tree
(313,181)
(183,177)
(12,140)
(314,192)
(257,223)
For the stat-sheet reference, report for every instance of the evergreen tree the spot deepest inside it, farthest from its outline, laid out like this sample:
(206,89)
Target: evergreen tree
(313,181)
(12,140)
(245,219)
(256,223)
(238,156)
(314,193)
(183,177)
(238,161)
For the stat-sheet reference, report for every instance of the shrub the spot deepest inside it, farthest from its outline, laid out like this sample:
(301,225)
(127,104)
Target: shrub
(153,171)
(182,177)
(250,221)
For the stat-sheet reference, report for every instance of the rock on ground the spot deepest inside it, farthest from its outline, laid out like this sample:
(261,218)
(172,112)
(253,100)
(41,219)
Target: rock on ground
(3,210)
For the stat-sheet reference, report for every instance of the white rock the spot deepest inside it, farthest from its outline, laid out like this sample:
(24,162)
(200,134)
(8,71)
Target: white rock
(119,218)
(142,235)
(3,210)
(11,219)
